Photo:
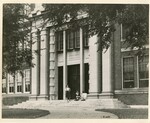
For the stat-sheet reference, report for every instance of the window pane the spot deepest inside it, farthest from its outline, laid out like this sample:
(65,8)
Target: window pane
(85,36)
(3,87)
(128,84)
(59,40)
(77,38)
(143,71)
(11,87)
(27,87)
(19,87)
(128,72)
(27,81)
(69,39)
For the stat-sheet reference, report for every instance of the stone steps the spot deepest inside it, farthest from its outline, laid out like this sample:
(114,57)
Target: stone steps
(93,103)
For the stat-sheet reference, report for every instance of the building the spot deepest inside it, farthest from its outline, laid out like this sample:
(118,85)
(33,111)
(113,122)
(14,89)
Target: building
(70,57)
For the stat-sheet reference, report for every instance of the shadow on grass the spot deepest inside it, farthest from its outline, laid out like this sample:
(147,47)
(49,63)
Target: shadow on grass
(23,113)
(128,113)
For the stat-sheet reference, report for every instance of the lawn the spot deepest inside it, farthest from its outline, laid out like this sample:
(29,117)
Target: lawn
(23,113)
(128,113)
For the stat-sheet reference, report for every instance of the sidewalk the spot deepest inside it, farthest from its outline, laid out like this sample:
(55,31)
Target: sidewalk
(138,106)
(76,113)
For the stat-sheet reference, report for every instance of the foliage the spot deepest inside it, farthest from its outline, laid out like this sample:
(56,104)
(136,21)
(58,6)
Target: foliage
(15,32)
(24,113)
(102,18)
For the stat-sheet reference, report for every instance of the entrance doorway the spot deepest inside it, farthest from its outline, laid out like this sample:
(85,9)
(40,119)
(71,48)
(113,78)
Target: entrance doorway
(86,79)
(74,79)
(60,83)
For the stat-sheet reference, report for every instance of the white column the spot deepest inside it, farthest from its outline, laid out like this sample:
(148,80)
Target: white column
(82,82)
(65,79)
(15,83)
(43,64)
(23,82)
(34,61)
(7,83)
(93,67)
(107,87)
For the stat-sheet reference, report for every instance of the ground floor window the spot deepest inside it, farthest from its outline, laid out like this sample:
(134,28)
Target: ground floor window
(11,87)
(27,81)
(19,87)
(135,72)
(143,71)
(27,86)
(128,72)
(3,87)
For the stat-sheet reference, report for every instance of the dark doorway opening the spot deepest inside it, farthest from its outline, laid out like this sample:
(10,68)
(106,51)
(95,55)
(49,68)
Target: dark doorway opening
(86,71)
(74,79)
(60,83)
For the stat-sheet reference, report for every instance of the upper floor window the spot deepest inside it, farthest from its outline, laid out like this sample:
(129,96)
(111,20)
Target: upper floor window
(59,40)
(124,31)
(77,38)
(85,36)
(70,39)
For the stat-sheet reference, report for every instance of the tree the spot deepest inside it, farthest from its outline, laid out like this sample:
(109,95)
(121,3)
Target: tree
(101,19)
(15,32)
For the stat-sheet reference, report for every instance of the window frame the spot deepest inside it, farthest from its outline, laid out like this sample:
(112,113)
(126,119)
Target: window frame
(136,71)
(143,79)
(123,73)
(85,36)
(70,39)
(77,38)
(27,80)
(59,40)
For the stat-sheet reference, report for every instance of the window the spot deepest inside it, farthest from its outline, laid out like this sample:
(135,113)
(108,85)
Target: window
(124,31)
(19,87)
(59,40)
(19,82)
(27,81)
(77,38)
(3,87)
(85,36)
(11,87)
(69,39)
(27,86)
(143,71)
(11,83)
(128,72)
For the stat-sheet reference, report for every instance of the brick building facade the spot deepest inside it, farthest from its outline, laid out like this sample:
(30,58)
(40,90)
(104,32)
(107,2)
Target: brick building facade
(70,57)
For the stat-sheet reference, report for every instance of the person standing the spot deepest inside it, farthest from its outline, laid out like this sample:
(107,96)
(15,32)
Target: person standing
(68,93)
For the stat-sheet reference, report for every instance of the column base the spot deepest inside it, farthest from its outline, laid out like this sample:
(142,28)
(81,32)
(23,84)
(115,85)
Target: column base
(93,95)
(39,97)
(106,95)
(52,97)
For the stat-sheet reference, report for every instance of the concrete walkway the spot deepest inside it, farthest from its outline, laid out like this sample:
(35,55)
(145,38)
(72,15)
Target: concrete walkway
(76,113)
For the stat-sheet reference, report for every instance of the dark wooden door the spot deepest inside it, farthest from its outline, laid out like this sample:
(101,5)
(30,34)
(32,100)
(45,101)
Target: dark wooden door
(74,79)
(60,83)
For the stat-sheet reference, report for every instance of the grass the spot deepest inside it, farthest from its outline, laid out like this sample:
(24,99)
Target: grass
(128,113)
(14,100)
(23,113)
